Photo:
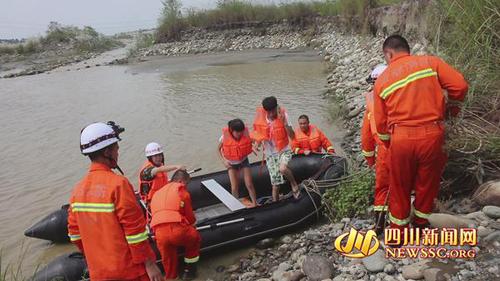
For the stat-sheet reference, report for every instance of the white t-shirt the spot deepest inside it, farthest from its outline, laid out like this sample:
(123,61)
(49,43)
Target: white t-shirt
(232,162)
(270,146)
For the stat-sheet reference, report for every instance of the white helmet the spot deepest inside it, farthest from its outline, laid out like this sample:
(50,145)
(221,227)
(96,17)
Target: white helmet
(152,149)
(377,71)
(97,136)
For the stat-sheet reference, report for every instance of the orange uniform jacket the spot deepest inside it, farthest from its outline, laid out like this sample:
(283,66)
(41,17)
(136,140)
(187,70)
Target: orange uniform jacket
(369,138)
(162,207)
(107,224)
(409,92)
(314,141)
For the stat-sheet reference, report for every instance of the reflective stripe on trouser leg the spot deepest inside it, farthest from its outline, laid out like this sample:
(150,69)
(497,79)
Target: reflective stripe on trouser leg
(381,208)
(432,160)
(192,245)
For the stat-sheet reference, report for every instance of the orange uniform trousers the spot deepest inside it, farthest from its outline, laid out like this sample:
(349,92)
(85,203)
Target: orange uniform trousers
(381,178)
(170,236)
(417,160)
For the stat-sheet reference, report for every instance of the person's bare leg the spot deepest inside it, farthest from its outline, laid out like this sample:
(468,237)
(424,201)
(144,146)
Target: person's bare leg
(276,193)
(285,171)
(247,176)
(235,182)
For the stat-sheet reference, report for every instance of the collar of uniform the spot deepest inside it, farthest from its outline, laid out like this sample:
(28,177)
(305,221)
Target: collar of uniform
(398,56)
(99,167)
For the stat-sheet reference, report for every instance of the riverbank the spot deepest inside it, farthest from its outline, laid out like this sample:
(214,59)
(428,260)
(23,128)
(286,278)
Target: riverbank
(60,46)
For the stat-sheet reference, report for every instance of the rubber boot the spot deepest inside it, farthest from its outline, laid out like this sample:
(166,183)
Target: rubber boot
(380,222)
(189,271)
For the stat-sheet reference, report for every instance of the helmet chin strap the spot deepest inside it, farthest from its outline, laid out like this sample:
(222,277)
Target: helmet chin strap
(114,165)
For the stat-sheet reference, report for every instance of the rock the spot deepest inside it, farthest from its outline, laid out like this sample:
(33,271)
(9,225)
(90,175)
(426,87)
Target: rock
(434,274)
(492,211)
(317,268)
(389,268)
(492,237)
(414,271)
(483,231)
(287,239)
(247,276)
(376,262)
(264,279)
(313,235)
(233,268)
(295,275)
(444,220)
(488,194)
(265,243)
(297,253)
(479,216)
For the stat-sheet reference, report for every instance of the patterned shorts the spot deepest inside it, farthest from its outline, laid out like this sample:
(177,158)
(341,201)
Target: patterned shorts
(273,166)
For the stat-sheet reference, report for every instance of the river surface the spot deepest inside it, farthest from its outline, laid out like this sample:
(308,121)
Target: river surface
(180,102)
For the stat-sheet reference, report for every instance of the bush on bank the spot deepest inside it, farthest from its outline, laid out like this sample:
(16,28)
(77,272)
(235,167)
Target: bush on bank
(79,40)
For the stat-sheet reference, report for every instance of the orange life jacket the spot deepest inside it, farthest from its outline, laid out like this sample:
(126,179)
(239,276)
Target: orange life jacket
(166,205)
(233,149)
(276,132)
(310,142)
(148,188)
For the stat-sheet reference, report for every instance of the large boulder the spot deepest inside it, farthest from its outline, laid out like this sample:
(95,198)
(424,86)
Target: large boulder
(445,220)
(488,194)
(317,268)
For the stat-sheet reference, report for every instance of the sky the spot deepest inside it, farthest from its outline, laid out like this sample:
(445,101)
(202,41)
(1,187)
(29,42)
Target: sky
(30,18)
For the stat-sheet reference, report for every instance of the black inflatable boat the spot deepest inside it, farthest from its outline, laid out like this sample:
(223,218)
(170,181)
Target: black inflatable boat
(217,224)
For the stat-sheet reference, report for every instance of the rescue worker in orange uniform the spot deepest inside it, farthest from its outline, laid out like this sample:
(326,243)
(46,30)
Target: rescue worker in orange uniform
(272,129)
(104,219)
(173,223)
(370,143)
(308,138)
(153,173)
(409,109)
(235,145)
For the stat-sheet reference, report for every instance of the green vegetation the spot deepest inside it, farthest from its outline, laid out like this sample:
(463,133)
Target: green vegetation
(143,40)
(468,38)
(75,39)
(352,197)
(237,13)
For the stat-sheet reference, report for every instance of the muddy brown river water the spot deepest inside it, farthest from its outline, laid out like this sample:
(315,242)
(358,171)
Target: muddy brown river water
(180,102)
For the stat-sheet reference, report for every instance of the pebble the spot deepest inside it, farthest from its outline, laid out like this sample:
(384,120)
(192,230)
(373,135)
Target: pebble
(492,211)
(265,243)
